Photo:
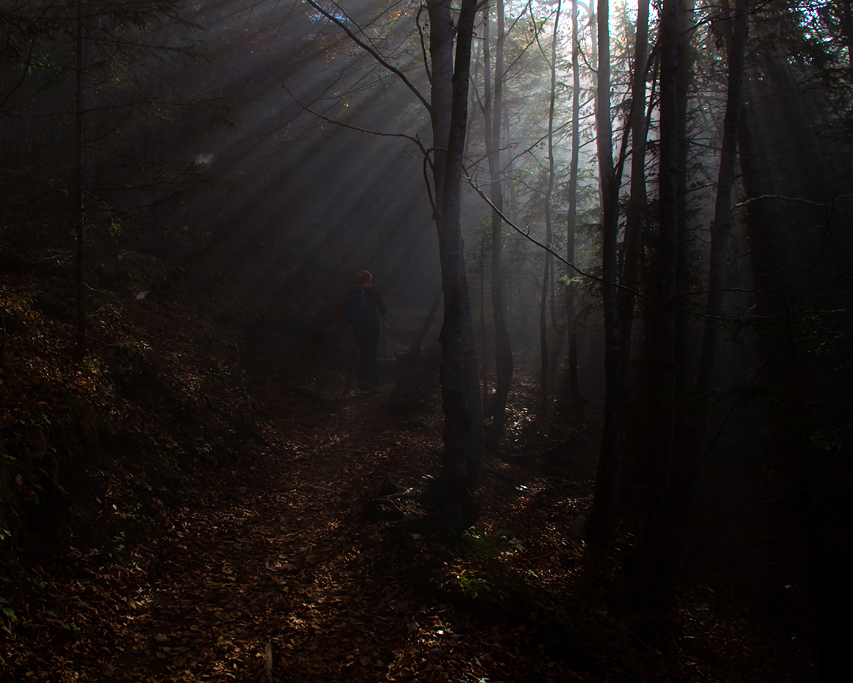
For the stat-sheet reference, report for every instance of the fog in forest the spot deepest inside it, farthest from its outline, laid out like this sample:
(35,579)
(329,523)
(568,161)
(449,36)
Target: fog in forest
(687,300)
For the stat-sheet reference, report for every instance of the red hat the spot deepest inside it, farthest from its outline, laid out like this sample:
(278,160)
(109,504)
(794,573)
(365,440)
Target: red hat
(364,277)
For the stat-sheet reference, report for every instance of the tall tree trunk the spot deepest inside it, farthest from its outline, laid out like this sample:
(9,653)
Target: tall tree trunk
(79,197)
(549,228)
(441,36)
(689,480)
(461,403)
(604,516)
(484,337)
(647,584)
(635,215)
(683,83)
(571,289)
(736,29)
(493,100)
(544,369)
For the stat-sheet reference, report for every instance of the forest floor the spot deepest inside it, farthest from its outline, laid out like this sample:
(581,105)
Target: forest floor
(186,506)
(291,565)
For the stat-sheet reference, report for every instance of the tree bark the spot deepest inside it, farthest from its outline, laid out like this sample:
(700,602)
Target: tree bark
(571,289)
(635,214)
(484,337)
(461,403)
(646,585)
(545,373)
(604,516)
(683,82)
(493,100)
(690,479)
(722,222)
(441,35)
(79,196)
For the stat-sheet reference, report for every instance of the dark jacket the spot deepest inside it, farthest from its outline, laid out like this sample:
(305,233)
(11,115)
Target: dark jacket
(374,301)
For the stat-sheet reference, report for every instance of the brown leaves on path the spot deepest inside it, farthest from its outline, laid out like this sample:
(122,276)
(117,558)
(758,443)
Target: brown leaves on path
(282,569)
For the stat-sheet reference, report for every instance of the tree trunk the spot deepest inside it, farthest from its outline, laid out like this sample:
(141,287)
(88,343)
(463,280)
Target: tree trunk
(689,472)
(549,229)
(635,215)
(571,289)
(683,82)
(647,584)
(544,369)
(461,404)
(736,35)
(604,516)
(441,37)
(484,337)
(79,197)
(496,408)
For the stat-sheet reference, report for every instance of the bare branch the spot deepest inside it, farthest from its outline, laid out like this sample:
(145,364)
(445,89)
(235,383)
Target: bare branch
(822,205)
(595,278)
(373,52)
(320,116)
(428,165)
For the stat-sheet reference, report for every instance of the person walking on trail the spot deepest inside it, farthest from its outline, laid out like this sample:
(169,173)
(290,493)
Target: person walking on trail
(364,305)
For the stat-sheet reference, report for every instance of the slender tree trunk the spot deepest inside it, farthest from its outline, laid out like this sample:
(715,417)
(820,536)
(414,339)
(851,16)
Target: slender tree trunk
(635,215)
(647,584)
(558,324)
(441,36)
(493,99)
(79,197)
(689,475)
(544,369)
(484,338)
(571,289)
(736,35)
(683,83)
(461,403)
(604,515)
(549,229)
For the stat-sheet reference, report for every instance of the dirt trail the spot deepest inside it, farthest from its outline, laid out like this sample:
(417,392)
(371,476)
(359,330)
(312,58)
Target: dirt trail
(266,575)
(280,570)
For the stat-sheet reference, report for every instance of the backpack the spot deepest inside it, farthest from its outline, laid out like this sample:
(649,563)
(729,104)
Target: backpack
(355,308)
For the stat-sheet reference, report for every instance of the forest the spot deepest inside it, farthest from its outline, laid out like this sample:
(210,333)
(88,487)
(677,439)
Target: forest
(593,422)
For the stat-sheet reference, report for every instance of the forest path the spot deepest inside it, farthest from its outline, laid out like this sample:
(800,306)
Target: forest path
(264,578)
(274,575)
(278,571)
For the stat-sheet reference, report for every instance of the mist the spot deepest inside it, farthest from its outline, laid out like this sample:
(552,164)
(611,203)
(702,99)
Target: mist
(663,321)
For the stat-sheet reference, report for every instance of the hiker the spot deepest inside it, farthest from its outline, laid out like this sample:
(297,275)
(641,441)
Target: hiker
(363,306)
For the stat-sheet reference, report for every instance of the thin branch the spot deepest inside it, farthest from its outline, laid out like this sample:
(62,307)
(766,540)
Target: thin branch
(320,116)
(424,51)
(585,60)
(23,75)
(374,53)
(526,234)
(822,205)
(428,166)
